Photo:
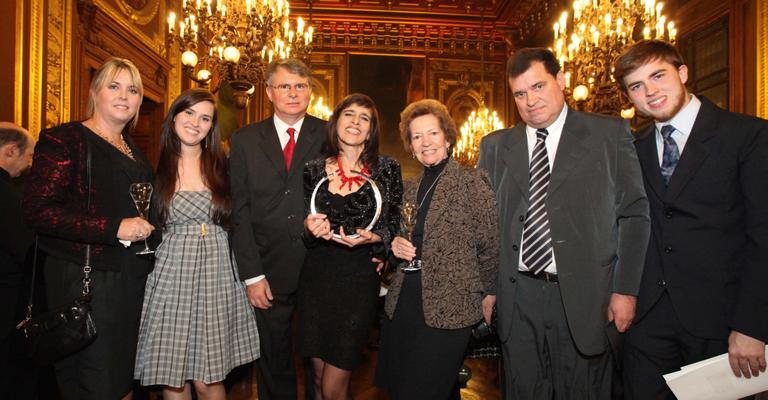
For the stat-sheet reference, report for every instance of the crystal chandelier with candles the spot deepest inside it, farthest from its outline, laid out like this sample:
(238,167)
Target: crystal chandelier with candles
(480,122)
(237,39)
(587,42)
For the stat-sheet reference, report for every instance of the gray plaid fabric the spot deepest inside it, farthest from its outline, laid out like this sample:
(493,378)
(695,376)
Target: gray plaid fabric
(196,322)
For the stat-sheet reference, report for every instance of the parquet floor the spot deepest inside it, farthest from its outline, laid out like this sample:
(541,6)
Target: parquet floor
(483,385)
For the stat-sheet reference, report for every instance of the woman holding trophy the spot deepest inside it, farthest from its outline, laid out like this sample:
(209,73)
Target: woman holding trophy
(353,195)
(449,253)
(79,200)
(197,324)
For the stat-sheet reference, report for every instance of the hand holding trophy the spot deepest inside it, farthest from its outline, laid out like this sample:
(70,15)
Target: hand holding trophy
(408,213)
(141,193)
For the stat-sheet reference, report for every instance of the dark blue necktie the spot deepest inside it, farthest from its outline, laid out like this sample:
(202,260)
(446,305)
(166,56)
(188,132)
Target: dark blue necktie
(671,153)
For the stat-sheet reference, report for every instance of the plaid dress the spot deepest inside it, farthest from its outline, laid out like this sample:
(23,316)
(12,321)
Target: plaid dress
(196,322)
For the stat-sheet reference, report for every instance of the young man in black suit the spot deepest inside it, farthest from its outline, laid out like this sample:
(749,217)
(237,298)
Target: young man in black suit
(704,288)
(267,159)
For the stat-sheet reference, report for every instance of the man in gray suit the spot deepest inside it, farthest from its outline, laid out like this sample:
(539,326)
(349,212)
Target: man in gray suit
(574,227)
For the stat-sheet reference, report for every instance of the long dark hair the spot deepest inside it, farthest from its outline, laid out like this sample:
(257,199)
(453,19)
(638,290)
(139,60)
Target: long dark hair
(370,155)
(213,162)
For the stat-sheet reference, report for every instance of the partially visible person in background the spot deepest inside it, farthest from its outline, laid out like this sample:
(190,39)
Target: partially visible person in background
(55,205)
(339,284)
(431,311)
(16,148)
(197,324)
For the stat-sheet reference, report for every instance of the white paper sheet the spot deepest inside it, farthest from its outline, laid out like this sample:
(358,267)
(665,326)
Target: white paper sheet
(712,379)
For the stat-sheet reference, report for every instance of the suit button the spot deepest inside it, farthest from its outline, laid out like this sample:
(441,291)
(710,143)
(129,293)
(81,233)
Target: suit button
(668,249)
(511,279)
(522,218)
(662,283)
(514,247)
(287,192)
(291,216)
(668,214)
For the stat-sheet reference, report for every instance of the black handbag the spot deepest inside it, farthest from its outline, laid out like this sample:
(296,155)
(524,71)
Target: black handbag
(55,334)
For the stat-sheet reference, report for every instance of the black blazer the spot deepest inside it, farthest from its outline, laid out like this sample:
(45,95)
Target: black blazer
(268,201)
(709,240)
(15,237)
(55,197)
(598,216)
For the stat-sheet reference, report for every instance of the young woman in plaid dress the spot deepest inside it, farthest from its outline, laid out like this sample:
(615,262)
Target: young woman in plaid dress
(196,322)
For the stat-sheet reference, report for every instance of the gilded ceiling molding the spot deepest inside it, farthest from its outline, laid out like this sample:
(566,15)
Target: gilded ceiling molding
(58,62)
(36,65)
(762,58)
(156,42)
(406,38)
(139,11)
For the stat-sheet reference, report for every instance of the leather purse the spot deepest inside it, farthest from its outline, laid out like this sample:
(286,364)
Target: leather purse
(55,334)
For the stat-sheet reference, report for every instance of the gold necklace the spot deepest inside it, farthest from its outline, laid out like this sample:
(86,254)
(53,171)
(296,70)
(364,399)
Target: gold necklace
(120,145)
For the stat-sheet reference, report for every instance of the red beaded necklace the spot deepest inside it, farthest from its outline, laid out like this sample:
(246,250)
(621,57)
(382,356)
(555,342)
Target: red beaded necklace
(346,180)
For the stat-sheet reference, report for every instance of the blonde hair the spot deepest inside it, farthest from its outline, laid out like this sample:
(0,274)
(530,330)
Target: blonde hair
(106,73)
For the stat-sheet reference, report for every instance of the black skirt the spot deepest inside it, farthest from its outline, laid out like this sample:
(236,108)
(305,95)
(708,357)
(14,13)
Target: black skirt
(104,369)
(417,361)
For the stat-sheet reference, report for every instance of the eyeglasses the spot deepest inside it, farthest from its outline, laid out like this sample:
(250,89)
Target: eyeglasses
(285,88)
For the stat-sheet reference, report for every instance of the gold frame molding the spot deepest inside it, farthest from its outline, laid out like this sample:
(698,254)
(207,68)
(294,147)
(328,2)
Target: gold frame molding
(762,58)
(36,66)
(18,81)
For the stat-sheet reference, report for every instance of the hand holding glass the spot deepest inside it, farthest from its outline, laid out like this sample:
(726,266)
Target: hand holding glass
(141,193)
(408,214)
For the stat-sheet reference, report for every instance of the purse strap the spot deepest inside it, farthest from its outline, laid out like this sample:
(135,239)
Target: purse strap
(86,264)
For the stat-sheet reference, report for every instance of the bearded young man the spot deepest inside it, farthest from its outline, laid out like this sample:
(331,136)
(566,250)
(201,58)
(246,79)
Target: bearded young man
(703,291)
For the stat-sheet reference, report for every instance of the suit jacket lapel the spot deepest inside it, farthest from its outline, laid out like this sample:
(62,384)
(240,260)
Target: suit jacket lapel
(695,151)
(307,138)
(515,157)
(570,150)
(270,145)
(649,160)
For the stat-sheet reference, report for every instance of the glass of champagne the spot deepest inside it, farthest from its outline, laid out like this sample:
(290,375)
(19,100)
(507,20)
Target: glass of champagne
(141,193)
(408,214)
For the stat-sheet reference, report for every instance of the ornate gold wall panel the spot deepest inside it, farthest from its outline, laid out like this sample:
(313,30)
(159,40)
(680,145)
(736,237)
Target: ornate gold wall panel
(762,58)
(58,62)
(36,66)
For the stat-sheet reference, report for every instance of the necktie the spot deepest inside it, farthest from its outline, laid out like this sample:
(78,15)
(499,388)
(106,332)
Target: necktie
(288,150)
(537,240)
(671,153)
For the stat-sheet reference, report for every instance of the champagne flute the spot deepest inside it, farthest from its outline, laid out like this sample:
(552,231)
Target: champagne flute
(408,213)
(141,193)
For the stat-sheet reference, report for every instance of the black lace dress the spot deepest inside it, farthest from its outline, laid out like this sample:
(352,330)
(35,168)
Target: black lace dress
(339,286)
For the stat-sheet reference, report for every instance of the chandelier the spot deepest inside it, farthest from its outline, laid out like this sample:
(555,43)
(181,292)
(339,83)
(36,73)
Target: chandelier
(237,39)
(318,108)
(480,122)
(588,43)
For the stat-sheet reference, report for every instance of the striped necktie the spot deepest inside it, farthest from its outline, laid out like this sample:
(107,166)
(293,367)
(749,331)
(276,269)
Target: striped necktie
(671,154)
(537,240)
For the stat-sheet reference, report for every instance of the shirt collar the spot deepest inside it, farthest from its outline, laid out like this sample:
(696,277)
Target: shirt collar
(556,127)
(684,119)
(282,127)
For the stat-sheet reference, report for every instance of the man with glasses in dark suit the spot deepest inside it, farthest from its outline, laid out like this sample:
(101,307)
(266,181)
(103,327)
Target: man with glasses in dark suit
(267,159)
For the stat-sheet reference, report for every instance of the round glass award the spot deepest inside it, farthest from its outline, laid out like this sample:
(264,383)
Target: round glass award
(376,194)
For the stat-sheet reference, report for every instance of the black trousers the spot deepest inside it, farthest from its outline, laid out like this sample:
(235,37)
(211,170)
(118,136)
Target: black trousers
(658,344)
(276,372)
(541,361)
